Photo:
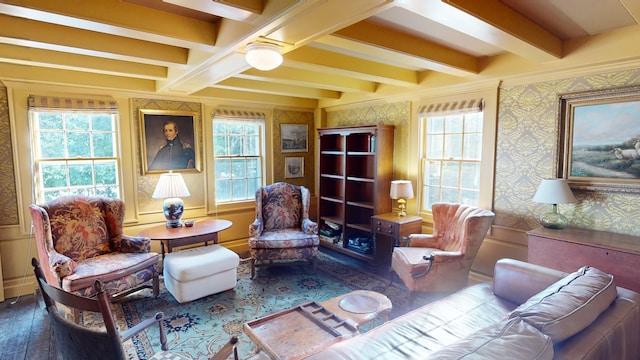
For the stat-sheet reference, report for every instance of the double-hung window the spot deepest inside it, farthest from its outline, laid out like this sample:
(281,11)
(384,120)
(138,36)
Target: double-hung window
(75,149)
(451,153)
(238,155)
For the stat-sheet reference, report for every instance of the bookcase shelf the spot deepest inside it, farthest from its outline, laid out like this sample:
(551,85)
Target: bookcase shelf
(356,169)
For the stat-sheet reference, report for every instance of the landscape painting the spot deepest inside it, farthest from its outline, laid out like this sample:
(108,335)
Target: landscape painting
(602,138)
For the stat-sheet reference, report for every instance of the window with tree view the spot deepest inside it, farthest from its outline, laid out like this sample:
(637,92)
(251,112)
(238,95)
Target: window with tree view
(238,160)
(75,154)
(451,158)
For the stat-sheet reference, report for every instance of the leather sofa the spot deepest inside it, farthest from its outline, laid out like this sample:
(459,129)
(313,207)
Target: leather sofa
(529,312)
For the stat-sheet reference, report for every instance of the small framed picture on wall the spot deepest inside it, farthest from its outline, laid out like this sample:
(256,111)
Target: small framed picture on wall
(294,167)
(295,137)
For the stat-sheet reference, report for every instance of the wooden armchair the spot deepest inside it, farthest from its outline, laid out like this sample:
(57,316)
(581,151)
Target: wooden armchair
(282,233)
(441,262)
(78,342)
(80,239)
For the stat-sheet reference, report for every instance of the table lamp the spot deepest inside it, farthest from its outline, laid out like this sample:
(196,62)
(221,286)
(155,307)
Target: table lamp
(401,190)
(554,192)
(172,188)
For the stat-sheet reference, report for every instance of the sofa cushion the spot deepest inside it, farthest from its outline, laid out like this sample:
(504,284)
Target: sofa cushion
(499,341)
(569,305)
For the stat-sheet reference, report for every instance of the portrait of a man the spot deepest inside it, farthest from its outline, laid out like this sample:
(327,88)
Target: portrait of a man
(169,141)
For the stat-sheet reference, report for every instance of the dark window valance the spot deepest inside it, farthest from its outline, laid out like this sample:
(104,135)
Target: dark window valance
(239,114)
(51,103)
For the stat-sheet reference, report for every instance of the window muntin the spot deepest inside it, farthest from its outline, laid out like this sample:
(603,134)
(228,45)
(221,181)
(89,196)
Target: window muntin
(75,153)
(238,159)
(451,159)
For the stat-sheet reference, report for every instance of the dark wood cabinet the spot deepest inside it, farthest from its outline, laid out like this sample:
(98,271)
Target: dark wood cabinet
(389,229)
(356,169)
(569,249)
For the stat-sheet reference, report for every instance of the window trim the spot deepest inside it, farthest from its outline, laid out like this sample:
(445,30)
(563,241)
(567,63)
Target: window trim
(489,130)
(213,207)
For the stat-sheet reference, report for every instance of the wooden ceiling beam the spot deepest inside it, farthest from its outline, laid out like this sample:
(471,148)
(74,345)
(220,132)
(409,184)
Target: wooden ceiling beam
(132,21)
(264,87)
(14,54)
(308,78)
(42,35)
(311,58)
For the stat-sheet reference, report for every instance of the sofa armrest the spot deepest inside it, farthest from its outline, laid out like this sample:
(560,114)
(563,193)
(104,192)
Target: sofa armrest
(135,244)
(517,281)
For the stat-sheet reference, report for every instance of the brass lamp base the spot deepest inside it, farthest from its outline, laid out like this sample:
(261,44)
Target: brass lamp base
(401,207)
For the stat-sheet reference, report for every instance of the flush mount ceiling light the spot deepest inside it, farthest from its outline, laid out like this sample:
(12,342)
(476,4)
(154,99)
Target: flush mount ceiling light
(263,56)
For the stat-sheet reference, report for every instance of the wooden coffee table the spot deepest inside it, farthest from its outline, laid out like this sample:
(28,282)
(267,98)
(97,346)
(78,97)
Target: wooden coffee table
(303,330)
(360,307)
(201,232)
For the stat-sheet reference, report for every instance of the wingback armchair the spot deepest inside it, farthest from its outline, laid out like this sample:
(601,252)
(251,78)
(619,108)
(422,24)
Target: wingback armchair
(282,233)
(80,239)
(440,262)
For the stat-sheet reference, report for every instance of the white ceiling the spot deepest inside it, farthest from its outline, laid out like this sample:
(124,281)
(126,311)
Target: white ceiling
(332,48)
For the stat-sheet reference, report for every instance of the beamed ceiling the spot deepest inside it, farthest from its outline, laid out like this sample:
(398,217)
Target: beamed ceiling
(334,50)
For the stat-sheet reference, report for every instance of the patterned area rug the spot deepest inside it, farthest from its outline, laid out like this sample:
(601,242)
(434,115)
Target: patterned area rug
(198,328)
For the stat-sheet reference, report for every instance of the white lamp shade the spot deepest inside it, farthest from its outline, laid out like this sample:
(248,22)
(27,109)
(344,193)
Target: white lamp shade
(263,56)
(554,191)
(170,185)
(401,189)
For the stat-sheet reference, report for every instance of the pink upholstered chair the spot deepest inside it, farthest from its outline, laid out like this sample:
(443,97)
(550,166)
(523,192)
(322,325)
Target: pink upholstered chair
(79,240)
(282,233)
(441,262)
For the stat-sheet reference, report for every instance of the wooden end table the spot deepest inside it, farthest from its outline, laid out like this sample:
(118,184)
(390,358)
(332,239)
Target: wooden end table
(201,232)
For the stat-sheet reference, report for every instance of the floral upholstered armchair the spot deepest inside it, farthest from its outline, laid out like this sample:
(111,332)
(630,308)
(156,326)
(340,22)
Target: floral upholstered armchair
(440,262)
(282,233)
(80,239)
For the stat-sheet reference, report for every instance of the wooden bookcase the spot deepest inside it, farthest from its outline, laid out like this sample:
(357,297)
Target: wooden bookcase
(356,169)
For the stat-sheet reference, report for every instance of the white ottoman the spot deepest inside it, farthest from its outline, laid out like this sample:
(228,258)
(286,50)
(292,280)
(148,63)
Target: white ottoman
(195,273)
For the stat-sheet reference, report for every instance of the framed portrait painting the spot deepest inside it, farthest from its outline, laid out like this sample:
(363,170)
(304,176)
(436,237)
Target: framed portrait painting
(168,141)
(600,139)
(295,137)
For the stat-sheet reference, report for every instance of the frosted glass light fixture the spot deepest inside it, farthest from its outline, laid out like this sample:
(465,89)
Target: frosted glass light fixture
(263,56)
(401,190)
(172,188)
(554,192)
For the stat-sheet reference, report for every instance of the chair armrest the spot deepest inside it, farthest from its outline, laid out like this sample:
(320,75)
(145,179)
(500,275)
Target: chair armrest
(135,244)
(423,240)
(143,325)
(442,256)
(61,265)
(255,229)
(309,226)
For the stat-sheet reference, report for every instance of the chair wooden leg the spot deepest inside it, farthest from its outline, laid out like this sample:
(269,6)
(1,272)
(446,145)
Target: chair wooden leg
(156,284)
(314,264)
(253,268)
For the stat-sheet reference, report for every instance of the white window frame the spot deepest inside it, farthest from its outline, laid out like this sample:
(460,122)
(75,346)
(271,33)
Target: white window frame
(262,158)
(446,159)
(487,161)
(66,161)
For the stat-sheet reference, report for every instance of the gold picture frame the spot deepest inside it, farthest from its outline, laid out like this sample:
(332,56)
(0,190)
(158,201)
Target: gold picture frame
(161,154)
(600,139)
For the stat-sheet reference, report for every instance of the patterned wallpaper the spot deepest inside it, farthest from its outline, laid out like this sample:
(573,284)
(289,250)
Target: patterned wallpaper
(8,191)
(396,114)
(294,117)
(527,152)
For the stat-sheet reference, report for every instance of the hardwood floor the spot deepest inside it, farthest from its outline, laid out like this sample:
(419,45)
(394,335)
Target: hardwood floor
(24,330)
(24,327)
